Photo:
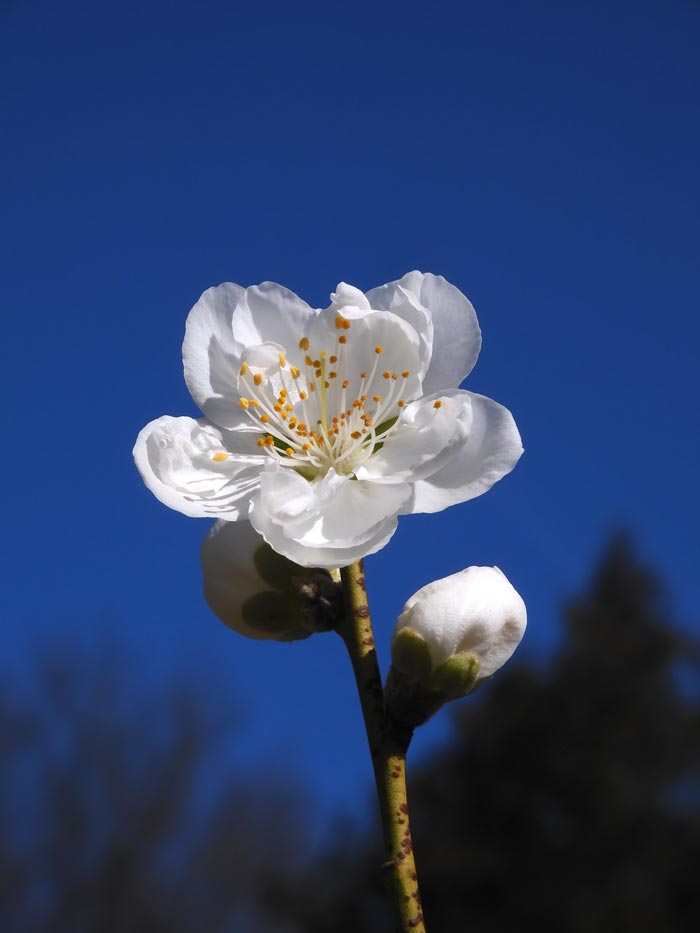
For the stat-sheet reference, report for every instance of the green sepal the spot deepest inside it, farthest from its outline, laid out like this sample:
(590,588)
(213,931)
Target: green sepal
(410,655)
(277,571)
(455,677)
(275,615)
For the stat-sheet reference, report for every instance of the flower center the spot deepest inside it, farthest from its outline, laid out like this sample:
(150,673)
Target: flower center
(330,412)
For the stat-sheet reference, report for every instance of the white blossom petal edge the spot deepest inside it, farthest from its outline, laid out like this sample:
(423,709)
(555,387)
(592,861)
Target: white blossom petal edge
(323,426)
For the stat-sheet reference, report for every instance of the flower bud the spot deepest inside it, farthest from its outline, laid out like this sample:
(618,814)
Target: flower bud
(451,635)
(255,591)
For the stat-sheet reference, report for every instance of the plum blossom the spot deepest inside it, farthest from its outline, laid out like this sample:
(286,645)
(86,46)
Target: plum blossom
(322,427)
(476,611)
(451,636)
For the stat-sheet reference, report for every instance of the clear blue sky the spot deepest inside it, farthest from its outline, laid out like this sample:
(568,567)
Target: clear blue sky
(542,156)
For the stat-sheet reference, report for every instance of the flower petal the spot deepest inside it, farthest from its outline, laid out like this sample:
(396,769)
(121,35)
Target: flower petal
(378,342)
(272,314)
(491,450)
(177,459)
(211,355)
(330,522)
(424,440)
(456,339)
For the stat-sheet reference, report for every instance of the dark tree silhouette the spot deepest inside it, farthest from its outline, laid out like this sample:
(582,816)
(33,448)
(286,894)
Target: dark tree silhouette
(568,800)
(570,797)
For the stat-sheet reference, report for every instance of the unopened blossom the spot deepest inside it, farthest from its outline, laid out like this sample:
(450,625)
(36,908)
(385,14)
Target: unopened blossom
(476,612)
(248,585)
(321,427)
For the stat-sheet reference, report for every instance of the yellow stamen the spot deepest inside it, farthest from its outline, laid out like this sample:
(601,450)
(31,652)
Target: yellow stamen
(264,418)
(346,383)
(283,360)
(289,451)
(379,349)
(332,359)
(437,404)
(294,371)
(258,379)
(303,395)
(245,404)
(342,339)
(406,373)
(244,369)
(304,344)
(220,457)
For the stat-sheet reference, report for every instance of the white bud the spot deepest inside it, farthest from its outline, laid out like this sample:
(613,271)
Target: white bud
(246,584)
(475,612)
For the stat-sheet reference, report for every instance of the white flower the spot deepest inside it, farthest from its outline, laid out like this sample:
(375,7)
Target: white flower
(322,427)
(475,613)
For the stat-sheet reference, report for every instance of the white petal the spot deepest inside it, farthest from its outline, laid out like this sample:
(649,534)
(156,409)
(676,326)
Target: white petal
(211,355)
(475,610)
(402,302)
(272,314)
(175,457)
(423,441)
(327,523)
(348,301)
(491,450)
(399,352)
(456,339)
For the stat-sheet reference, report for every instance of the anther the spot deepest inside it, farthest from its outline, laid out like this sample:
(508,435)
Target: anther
(244,369)
(376,398)
(264,418)
(221,456)
(277,407)
(342,339)
(386,375)
(245,404)
(406,373)
(400,403)
(283,360)
(379,350)
(261,442)
(394,375)
(289,451)
(437,404)
(258,379)
(304,344)
(294,371)
(332,359)
(346,383)
(303,395)
(363,375)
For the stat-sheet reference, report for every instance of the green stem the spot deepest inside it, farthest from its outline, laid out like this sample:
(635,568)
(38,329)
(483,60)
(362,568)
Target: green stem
(388,745)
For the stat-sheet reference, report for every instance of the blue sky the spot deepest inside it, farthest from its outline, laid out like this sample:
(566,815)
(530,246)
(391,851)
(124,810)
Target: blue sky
(542,156)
